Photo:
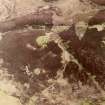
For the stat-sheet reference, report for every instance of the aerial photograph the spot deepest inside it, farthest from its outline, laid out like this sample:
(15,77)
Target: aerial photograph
(52,52)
